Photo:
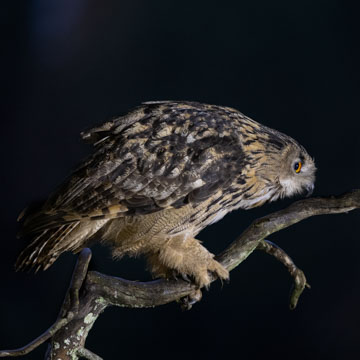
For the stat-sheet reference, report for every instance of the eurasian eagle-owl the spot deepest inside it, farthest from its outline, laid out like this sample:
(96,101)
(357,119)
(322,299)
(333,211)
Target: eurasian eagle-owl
(157,177)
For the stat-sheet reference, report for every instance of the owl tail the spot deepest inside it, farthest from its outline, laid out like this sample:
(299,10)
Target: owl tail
(46,247)
(48,244)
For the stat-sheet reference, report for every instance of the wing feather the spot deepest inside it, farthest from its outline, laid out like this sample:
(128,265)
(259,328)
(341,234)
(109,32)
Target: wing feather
(162,154)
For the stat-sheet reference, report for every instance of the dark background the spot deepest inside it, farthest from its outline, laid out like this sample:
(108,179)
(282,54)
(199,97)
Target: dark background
(292,65)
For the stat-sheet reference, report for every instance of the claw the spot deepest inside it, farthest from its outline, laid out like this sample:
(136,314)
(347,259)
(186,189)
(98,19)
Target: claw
(175,275)
(187,302)
(185,277)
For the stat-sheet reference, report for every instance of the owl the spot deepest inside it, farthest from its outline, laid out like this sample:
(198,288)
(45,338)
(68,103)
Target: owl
(158,176)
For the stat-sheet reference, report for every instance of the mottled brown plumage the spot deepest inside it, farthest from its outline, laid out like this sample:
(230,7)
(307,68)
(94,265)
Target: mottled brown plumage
(157,177)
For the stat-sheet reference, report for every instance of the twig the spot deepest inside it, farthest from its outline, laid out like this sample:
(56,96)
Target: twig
(37,342)
(81,308)
(299,277)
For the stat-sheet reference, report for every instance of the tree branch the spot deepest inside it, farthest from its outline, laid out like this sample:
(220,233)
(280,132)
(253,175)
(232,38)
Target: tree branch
(90,294)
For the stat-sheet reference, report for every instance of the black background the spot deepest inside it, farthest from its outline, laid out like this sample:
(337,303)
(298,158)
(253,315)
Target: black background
(292,65)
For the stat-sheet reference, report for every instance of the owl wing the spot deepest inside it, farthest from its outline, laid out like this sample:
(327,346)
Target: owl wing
(161,155)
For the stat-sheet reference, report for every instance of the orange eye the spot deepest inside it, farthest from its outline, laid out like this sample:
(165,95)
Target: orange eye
(297,167)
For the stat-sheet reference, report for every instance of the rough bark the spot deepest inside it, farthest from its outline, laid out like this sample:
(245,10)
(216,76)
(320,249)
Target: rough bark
(91,292)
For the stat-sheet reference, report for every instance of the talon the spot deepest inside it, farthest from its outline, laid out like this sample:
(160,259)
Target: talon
(175,277)
(185,277)
(195,297)
(187,302)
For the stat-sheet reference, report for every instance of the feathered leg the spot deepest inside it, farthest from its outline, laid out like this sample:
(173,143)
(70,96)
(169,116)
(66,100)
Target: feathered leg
(188,258)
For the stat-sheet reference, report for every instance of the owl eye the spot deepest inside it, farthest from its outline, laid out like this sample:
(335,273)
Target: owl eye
(297,166)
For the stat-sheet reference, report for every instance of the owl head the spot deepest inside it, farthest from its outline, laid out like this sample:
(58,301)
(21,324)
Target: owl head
(287,168)
(296,171)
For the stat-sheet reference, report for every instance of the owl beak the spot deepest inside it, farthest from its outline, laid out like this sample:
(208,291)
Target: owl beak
(310,189)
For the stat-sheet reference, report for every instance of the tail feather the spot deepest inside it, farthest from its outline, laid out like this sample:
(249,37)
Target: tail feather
(33,256)
(49,244)
(40,222)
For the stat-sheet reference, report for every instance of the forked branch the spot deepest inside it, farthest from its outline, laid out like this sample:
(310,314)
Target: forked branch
(91,292)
